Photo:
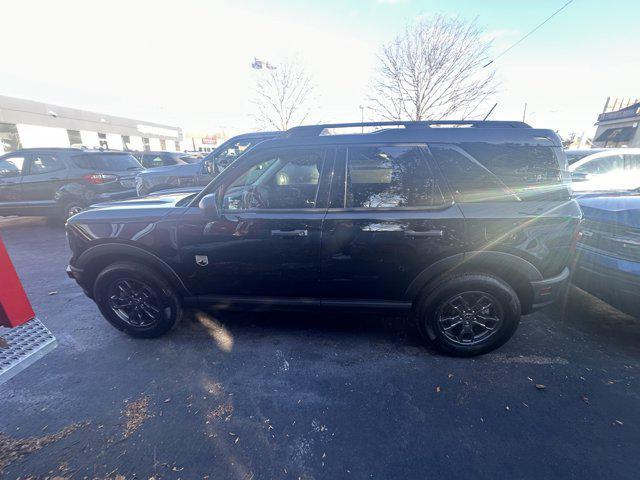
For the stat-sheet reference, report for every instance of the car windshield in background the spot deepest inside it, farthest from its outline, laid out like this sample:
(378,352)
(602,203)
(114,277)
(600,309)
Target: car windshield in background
(607,172)
(107,161)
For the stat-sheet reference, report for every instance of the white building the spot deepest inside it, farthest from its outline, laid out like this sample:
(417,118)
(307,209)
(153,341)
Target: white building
(27,124)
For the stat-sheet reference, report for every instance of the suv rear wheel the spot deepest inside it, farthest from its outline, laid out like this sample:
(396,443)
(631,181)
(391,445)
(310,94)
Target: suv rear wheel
(137,300)
(468,314)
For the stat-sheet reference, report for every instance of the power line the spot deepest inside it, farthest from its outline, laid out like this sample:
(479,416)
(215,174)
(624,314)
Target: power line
(531,32)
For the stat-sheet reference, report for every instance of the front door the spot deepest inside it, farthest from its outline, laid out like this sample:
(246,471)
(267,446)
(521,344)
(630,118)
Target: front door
(390,217)
(266,242)
(11,168)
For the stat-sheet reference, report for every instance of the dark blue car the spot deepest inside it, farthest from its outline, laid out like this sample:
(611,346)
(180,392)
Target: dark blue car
(608,253)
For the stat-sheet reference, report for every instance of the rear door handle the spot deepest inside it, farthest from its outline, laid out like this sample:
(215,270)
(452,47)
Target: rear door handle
(426,233)
(289,233)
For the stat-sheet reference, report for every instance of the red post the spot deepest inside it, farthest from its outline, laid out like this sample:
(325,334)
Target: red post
(15,308)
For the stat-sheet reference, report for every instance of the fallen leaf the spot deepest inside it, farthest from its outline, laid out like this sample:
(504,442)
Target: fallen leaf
(450,375)
(507,407)
(237,440)
(53,292)
(540,386)
(619,422)
(437,389)
(167,400)
(584,398)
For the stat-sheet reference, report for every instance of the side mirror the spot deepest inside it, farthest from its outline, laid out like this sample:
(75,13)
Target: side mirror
(209,206)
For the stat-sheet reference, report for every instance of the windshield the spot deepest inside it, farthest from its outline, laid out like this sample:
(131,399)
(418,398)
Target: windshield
(616,171)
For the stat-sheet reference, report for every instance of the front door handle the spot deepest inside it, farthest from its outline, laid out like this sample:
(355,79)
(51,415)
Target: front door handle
(425,233)
(289,233)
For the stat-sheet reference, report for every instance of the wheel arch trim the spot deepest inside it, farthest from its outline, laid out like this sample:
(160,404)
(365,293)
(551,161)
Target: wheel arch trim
(124,249)
(502,260)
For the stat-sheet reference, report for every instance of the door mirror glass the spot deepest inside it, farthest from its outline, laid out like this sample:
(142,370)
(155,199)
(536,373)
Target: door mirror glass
(209,206)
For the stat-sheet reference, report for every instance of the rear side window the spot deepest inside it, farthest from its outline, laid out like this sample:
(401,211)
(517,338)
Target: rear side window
(490,172)
(469,179)
(390,177)
(45,163)
(109,161)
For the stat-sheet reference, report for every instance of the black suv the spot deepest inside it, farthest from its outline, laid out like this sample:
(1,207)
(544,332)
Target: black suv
(63,181)
(465,229)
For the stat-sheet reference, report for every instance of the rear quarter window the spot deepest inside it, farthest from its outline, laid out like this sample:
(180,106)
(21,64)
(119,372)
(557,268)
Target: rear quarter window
(109,162)
(483,171)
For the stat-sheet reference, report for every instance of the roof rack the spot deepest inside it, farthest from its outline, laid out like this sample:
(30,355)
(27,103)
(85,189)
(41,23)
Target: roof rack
(316,130)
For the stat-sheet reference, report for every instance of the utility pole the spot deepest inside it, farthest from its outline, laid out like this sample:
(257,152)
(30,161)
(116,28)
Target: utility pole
(362,118)
(524,113)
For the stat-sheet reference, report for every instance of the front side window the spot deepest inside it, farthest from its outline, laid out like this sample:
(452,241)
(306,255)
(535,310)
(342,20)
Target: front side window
(11,167)
(390,177)
(286,179)
(45,163)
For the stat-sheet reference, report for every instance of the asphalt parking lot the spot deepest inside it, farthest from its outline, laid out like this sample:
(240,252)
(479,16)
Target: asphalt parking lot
(313,396)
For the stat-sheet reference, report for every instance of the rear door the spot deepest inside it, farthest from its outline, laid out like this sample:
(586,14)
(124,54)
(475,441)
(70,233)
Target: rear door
(11,168)
(45,173)
(390,217)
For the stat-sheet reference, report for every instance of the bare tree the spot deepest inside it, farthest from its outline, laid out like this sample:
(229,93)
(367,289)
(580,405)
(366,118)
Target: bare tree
(284,96)
(433,70)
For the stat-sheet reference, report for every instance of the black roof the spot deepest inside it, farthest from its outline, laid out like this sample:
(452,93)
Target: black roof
(445,131)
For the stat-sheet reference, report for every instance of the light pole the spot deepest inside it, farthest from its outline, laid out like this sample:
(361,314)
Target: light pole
(362,118)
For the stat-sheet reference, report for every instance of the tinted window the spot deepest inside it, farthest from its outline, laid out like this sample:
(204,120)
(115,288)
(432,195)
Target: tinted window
(531,172)
(469,180)
(107,161)
(286,179)
(11,167)
(45,163)
(387,177)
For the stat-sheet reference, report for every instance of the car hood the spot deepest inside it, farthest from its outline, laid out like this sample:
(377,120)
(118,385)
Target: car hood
(622,210)
(149,208)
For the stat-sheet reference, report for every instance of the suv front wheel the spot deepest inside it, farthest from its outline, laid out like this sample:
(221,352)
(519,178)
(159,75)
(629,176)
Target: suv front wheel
(137,300)
(468,314)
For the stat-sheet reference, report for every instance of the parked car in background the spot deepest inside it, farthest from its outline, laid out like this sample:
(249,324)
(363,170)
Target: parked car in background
(61,182)
(163,159)
(202,171)
(608,254)
(573,155)
(612,169)
(463,229)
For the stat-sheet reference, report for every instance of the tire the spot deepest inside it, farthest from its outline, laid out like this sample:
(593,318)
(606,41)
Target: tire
(140,291)
(70,207)
(449,310)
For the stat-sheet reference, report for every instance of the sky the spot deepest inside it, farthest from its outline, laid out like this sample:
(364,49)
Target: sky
(188,62)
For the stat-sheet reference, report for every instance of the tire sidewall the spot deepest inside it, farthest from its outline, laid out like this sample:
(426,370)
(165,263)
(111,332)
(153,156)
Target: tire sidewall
(432,301)
(155,281)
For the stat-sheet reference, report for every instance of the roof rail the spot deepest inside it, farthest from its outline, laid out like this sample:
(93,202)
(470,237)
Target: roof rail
(316,130)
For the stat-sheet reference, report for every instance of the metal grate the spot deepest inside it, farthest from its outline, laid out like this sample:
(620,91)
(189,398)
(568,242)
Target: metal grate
(25,344)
